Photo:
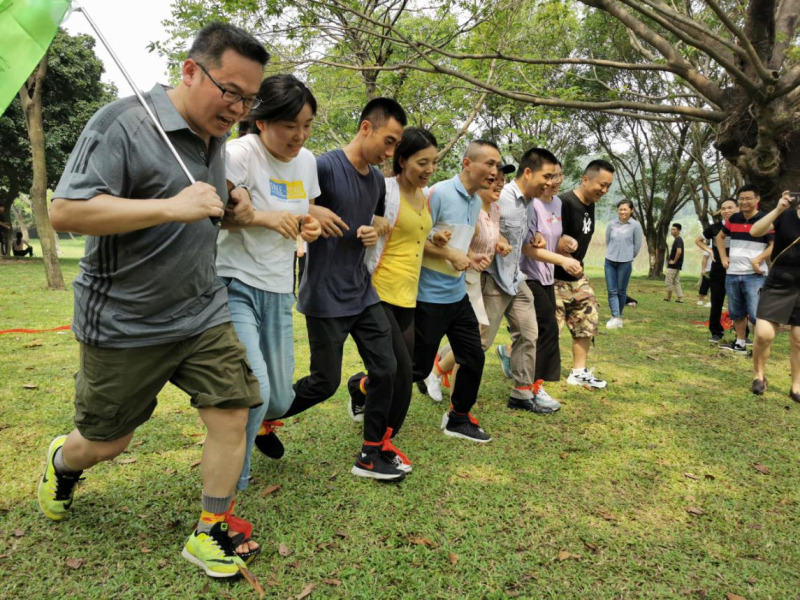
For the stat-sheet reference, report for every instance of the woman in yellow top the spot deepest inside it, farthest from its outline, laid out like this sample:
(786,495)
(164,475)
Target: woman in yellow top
(396,260)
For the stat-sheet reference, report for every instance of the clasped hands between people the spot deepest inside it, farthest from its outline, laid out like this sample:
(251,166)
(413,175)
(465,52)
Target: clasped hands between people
(566,246)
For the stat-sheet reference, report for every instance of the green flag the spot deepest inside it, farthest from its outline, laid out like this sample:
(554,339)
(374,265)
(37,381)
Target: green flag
(27,27)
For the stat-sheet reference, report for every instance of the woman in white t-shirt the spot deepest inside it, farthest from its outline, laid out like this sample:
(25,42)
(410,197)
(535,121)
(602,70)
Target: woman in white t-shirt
(256,262)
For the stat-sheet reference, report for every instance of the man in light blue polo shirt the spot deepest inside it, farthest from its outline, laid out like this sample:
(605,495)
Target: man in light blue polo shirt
(443,307)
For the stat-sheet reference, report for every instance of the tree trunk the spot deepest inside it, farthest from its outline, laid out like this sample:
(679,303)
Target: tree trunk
(31,97)
(658,253)
(20,222)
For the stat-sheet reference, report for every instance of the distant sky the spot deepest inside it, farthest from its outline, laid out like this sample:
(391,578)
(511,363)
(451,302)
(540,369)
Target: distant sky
(129,27)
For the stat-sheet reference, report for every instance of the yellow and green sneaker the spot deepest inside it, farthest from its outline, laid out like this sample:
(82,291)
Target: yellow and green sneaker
(55,491)
(213,552)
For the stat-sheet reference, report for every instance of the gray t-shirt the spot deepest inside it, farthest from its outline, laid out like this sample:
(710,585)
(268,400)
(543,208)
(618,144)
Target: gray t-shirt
(336,282)
(154,285)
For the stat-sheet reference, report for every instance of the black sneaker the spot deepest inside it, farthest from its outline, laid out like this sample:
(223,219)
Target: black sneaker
(355,407)
(375,465)
(394,458)
(267,441)
(715,339)
(423,389)
(759,386)
(465,427)
(734,347)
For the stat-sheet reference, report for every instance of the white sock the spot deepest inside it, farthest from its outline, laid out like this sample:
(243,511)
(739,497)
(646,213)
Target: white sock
(740,342)
(578,371)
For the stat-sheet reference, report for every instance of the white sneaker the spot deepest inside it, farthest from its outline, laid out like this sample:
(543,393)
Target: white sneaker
(700,303)
(586,377)
(434,385)
(614,323)
(546,401)
(707,305)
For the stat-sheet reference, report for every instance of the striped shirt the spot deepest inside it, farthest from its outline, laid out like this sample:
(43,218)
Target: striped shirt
(744,247)
(487,233)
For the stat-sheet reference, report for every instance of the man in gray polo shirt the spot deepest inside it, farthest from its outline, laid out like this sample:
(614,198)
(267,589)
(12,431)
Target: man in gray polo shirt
(503,287)
(148,306)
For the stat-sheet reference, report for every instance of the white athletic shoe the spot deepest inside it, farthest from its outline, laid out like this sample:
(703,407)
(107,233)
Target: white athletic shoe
(586,377)
(614,323)
(434,385)
(700,303)
(546,401)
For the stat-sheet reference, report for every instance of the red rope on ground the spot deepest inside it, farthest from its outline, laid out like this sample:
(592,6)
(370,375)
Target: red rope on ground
(62,328)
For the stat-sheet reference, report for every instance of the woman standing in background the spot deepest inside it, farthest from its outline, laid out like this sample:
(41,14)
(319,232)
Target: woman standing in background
(623,242)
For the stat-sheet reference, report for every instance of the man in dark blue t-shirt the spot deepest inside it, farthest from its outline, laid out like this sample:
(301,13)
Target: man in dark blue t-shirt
(336,294)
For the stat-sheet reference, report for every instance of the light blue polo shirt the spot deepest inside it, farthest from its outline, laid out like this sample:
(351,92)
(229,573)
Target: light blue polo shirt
(450,204)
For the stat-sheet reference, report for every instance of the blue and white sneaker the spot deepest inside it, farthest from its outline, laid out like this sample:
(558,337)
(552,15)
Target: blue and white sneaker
(586,378)
(505,360)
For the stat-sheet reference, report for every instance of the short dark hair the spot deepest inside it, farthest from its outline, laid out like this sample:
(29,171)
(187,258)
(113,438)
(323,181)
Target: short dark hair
(748,187)
(282,99)
(534,159)
(598,165)
(734,200)
(414,139)
(380,110)
(626,201)
(473,146)
(215,38)
(677,226)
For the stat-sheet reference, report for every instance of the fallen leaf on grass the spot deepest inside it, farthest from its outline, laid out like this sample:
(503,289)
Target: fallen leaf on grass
(283,550)
(18,533)
(137,443)
(564,555)
(709,476)
(30,386)
(74,563)
(195,464)
(146,551)
(332,581)
(420,541)
(593,547)
(730,596)
(2,556)
(269,490)
(694,511)
(200,443)
(606,515)
(761,469)
(752,580)
(341,533)
(691,476)
(251,579)
(128,461)
(33,344)
(453,559)
(306,592)
(655,358)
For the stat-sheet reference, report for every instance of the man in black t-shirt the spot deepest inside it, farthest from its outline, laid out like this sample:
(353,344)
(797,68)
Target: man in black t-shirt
(674,265)
(576,304)
(717,274)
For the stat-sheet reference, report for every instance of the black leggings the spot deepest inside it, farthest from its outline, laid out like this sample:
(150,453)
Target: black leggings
(548,354)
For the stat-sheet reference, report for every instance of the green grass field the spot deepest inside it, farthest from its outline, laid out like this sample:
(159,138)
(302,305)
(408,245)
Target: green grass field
(647,489)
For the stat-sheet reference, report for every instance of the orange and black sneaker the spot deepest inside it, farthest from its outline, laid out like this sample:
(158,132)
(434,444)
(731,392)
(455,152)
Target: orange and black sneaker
(464,426)
(267,441)
(372,463)
(392,453)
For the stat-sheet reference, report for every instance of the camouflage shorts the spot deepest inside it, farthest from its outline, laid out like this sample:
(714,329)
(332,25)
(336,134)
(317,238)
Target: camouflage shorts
(576,305)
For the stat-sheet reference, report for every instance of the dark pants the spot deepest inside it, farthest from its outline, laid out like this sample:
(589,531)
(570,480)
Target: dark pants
(401,321)
(20,253)
(326,336)
(705,285)
(548,354)
(717,300)
(431,323)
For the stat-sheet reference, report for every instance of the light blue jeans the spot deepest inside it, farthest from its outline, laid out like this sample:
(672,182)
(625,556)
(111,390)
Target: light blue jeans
(618,274)
(263,322)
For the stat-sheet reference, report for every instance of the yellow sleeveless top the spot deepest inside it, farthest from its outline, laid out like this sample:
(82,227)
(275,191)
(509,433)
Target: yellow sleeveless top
(396,278)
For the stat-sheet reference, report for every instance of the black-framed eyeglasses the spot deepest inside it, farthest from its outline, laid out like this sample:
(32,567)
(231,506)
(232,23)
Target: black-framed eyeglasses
(232,97)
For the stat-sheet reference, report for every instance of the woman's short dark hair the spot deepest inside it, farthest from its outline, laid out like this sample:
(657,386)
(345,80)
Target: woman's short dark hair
(414,139)
(626,201)
(282,99)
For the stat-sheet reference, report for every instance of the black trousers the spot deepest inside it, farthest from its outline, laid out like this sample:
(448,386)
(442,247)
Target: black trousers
(548,354)
(401,320)
(705,285)
(458,322)
(717,300)
(326,336)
